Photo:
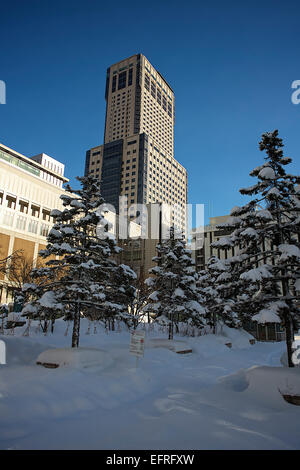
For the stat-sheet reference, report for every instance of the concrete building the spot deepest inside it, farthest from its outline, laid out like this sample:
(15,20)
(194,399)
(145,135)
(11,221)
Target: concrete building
(137,157)
(202,242)
(202,253)
(139,247)
(29,189)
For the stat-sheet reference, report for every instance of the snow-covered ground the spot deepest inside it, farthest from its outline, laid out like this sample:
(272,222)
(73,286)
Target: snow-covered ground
(213,398)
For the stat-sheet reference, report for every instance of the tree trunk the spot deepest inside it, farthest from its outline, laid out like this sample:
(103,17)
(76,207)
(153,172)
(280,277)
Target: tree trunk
(45,327)
(52,325)
(289,338)
(214,322)
(171,329)
(2,324)
(76,326)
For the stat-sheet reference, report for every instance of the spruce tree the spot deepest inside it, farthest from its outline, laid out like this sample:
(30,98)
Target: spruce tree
(214,284)
(265,236)
(81,274)
(172,286)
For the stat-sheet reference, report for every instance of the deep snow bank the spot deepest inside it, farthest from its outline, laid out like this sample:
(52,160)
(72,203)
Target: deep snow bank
(75,357)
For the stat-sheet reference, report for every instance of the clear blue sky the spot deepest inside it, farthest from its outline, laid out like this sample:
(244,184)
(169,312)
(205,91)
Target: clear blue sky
(231,65)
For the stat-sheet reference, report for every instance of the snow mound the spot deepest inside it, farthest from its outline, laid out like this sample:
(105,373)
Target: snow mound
(239,338)
(270,383)
(237,382)
(264,385)
(21,351)
(210,345)
(78,358)
(172,345)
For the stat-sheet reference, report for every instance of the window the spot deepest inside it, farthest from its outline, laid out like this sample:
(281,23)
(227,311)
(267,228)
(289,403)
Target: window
(130,77)
(44,230)
(147,82)
(20,222)
(23,207)
(158,97)
(8,218)
(32,226)
(122,80)
(164,105)
(35,211)
(114,84)
(11,202)
(46,214)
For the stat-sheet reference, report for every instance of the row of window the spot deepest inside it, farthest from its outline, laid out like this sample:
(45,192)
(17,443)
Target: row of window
(157,124)
(169,171)
(158,84)
(150,86)
(23,206)
(122,80)
(32,169)
(20,222)
(173,163)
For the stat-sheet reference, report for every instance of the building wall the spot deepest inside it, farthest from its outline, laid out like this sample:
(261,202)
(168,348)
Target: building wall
(121,99)
(143,103)
(26,200)
(137,157)
(136,167)
(211,234)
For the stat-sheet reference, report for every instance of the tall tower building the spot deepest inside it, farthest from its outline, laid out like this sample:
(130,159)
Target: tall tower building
(137,157)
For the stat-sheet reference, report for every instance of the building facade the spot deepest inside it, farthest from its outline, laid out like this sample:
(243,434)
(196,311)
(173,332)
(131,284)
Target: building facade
(29,189)
(137,160)
(139,243)
(202,241)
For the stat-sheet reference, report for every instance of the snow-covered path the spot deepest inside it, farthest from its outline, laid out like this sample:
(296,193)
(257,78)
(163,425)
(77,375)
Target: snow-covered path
(205,400)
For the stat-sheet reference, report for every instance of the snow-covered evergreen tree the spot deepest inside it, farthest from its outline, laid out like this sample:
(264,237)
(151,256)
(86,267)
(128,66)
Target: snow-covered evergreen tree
(265,237)
(81,275)
(139,302)
(214,284)
(172,287)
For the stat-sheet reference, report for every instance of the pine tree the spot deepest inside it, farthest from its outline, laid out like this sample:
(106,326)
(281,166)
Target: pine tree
(214,284)
(139,302)
(85,278)
(172,288)
(265,236)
